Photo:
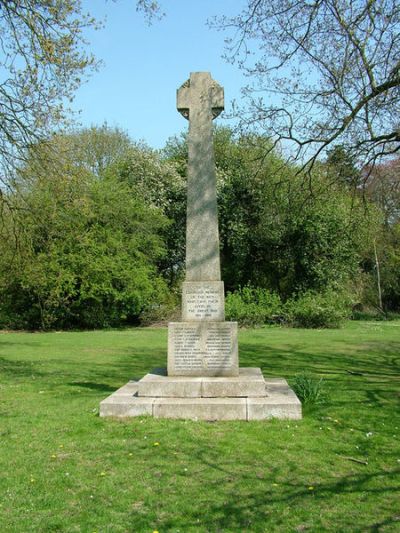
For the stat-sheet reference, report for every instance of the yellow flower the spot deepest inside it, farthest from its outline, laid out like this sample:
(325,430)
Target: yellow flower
(102,473)
(156,444)
(53,456)
(310,488)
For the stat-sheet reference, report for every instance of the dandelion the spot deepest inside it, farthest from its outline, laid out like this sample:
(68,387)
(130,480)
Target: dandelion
(156,444)
(310,488)
(102,473)
(61,446)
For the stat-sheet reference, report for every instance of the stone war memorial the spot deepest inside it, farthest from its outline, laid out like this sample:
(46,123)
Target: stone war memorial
(203,380)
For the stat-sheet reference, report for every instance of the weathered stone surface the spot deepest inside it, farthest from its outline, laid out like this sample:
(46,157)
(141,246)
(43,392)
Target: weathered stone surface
(279,402)
(158,384)
(201,408)
(126,405)
(202,349)
(200,99)
(249,383)
(129,388)
(276,383)
(275,405)
(203,300)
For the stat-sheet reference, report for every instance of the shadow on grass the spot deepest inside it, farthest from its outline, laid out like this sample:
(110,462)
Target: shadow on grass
(103,387)
(19,368)
(374,360)
(260,502)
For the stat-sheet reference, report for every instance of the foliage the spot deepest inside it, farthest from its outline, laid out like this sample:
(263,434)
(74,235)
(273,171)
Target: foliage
(151,10)
(85,250)
(43,62)
(383,187)
(326,309)
(159,184)
(341,167)
(389,252)
(329,70)
(44,58)
(252,306)
(275,233)
(279,236)
(255,306)
(308,389)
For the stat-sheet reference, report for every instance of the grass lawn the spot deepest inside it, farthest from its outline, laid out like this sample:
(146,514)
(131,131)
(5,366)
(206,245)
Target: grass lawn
(63,468)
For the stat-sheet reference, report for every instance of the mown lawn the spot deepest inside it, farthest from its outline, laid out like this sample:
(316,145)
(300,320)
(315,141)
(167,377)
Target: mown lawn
(63,468)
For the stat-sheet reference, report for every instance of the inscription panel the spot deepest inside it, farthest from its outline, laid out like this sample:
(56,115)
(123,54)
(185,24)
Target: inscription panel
(203,301)
(202,349)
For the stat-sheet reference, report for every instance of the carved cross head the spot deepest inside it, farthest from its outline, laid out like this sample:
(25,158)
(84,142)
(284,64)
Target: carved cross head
(200,92)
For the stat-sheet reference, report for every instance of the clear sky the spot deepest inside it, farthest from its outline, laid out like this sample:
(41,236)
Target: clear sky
(135,88)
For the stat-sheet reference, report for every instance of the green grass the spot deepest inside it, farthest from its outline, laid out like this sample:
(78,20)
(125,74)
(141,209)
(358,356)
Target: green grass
(65,469)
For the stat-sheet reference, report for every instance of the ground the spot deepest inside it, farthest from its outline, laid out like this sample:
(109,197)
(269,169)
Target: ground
(65,469)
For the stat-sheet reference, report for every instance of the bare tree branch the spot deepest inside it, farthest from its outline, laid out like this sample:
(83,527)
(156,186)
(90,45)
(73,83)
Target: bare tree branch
(323,72)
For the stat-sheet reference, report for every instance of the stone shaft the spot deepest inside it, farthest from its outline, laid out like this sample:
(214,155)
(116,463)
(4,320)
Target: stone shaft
(200,99)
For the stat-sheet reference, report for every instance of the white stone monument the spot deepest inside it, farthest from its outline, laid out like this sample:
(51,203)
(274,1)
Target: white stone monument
(203,379)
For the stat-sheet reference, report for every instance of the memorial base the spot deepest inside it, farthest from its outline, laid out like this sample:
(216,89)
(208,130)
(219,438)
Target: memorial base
(248,396)
(203,348)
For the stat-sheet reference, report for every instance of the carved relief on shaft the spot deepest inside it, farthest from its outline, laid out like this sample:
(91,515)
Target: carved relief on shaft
(200,99)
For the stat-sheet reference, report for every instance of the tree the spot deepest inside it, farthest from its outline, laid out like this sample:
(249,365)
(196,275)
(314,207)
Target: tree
(330,70)
(342,167)
(157,181)
(43,60)
(272,233)
(383,187)
(84,249)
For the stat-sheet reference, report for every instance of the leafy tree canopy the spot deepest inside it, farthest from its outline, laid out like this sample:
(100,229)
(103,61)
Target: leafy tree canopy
(83,249)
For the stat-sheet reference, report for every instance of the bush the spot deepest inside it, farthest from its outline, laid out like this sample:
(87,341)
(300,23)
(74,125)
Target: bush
(309,390)
(318,310)
(252,306)
(166,310)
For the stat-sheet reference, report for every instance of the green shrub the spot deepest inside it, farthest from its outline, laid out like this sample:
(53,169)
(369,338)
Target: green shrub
(166,310)
(318,310)
(309,390)
(252,306)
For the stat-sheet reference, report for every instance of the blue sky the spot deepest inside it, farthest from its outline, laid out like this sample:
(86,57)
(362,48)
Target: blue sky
(135,88)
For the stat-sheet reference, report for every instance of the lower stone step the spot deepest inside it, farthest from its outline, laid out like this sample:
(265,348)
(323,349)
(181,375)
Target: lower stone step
(279,402)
